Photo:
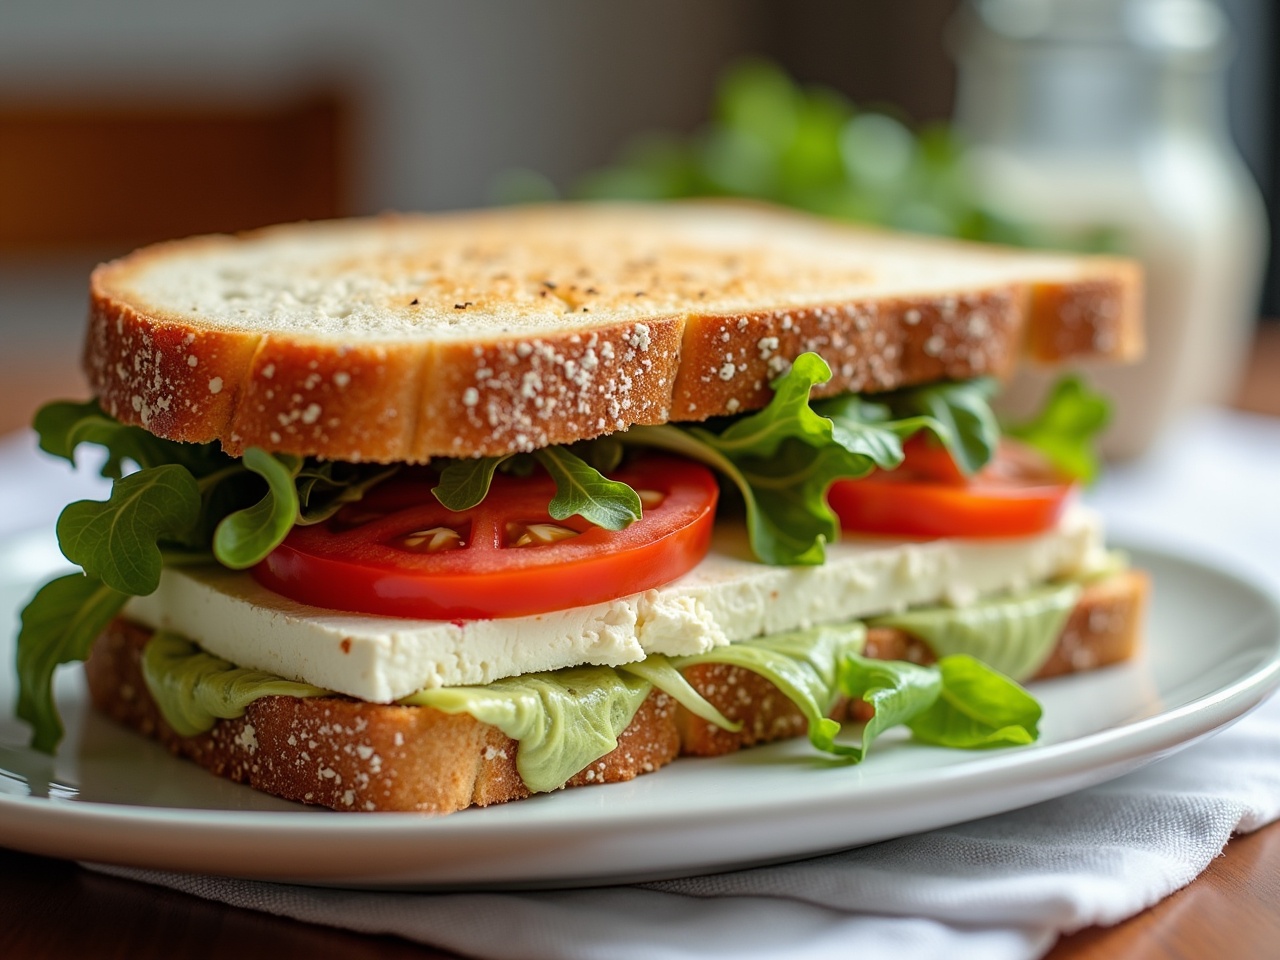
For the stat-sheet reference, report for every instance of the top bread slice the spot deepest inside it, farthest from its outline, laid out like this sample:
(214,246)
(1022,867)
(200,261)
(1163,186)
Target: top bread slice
(403,338)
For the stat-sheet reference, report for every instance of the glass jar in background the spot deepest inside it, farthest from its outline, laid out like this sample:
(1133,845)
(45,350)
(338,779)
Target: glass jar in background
(1108,118)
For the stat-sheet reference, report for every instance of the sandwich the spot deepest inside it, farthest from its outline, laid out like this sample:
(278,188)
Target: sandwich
(426,512)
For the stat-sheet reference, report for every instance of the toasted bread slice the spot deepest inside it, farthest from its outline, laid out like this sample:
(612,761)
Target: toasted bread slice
(351,755)
(411,337)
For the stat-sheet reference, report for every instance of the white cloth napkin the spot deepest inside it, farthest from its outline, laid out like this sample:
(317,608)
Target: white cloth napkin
(1003,887)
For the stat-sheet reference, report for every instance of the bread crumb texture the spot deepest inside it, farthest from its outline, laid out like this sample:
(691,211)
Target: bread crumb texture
(408,337)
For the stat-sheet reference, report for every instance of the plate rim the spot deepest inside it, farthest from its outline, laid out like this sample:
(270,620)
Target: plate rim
(1111,751)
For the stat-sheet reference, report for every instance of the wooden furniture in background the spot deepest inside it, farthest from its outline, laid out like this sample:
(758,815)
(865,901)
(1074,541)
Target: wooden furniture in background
(1260,385)
(114,176)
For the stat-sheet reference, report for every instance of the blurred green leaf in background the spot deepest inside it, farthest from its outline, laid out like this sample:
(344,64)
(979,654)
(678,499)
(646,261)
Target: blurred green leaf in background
(807,147)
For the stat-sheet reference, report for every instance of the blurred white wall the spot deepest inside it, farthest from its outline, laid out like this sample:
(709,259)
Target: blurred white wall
(448,94)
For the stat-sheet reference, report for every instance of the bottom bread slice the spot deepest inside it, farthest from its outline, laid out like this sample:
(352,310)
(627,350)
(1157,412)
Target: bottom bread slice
(351,755)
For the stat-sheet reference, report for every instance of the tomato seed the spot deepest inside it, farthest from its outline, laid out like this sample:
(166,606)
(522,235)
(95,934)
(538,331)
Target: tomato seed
(539,534)
(650,498)
(434,540)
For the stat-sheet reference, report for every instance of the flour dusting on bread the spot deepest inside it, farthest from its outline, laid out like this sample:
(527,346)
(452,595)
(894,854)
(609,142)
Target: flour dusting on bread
(403,338)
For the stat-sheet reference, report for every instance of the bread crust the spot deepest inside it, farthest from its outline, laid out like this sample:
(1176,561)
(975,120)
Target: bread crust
(350,755)
(709,346)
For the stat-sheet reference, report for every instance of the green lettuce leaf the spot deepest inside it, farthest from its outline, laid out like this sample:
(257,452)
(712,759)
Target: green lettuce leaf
(899,691)
(1067,427)
(465,483)
(977,708)
(662,673)
(117,540)
(805,665)
(564,720)
(194,689)
(245,537)
(567,719)
(59,625)
(959,414)
(326,486)
(782,459)
(583,490)
(1014,635)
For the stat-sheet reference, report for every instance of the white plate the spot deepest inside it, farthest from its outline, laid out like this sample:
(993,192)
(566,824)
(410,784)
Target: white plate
(113,797)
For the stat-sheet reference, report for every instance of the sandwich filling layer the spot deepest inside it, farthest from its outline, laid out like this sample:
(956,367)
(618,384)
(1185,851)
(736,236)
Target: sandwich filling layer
(566,720)
(727,599)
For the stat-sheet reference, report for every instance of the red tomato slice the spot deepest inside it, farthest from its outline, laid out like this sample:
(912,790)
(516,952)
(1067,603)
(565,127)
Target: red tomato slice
(1017,494)
(400,553)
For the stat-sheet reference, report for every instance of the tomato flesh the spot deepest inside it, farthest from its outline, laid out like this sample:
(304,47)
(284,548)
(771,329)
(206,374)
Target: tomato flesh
(374,556)
(1017,494)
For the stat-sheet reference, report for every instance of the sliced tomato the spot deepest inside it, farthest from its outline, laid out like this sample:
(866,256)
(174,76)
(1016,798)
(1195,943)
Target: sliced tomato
(1017,494)
(399,552)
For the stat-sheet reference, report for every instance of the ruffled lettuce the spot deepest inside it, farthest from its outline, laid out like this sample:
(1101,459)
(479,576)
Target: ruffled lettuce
(566,720)
(1014,635)
(804,664)
(193,689)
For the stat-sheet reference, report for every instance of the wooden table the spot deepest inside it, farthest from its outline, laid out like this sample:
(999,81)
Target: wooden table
(53,909)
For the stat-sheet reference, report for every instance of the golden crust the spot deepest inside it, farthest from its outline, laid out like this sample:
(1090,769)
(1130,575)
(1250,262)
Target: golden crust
(703,338)
(1087,320)
(351,755)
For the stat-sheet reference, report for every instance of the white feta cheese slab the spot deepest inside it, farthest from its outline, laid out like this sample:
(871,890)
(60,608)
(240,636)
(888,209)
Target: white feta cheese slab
(725,599)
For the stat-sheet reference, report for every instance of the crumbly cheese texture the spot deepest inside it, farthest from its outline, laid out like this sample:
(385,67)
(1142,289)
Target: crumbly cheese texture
(727,598)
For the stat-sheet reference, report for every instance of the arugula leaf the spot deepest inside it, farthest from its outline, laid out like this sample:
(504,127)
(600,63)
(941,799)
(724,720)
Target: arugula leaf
(788,415)
(959,414)
(465,483)
(116,540)
(326,487)
(603,453)
(246,536)
(1066,428)
(867,428)
(782,459)
(184,499)
(519,465)
(977,708)
(582,489)
(64,425)
(56,422)
(898,690)
(59,625)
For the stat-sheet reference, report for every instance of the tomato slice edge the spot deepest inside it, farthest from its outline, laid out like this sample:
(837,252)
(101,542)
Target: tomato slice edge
(1018,494)
(309,566)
